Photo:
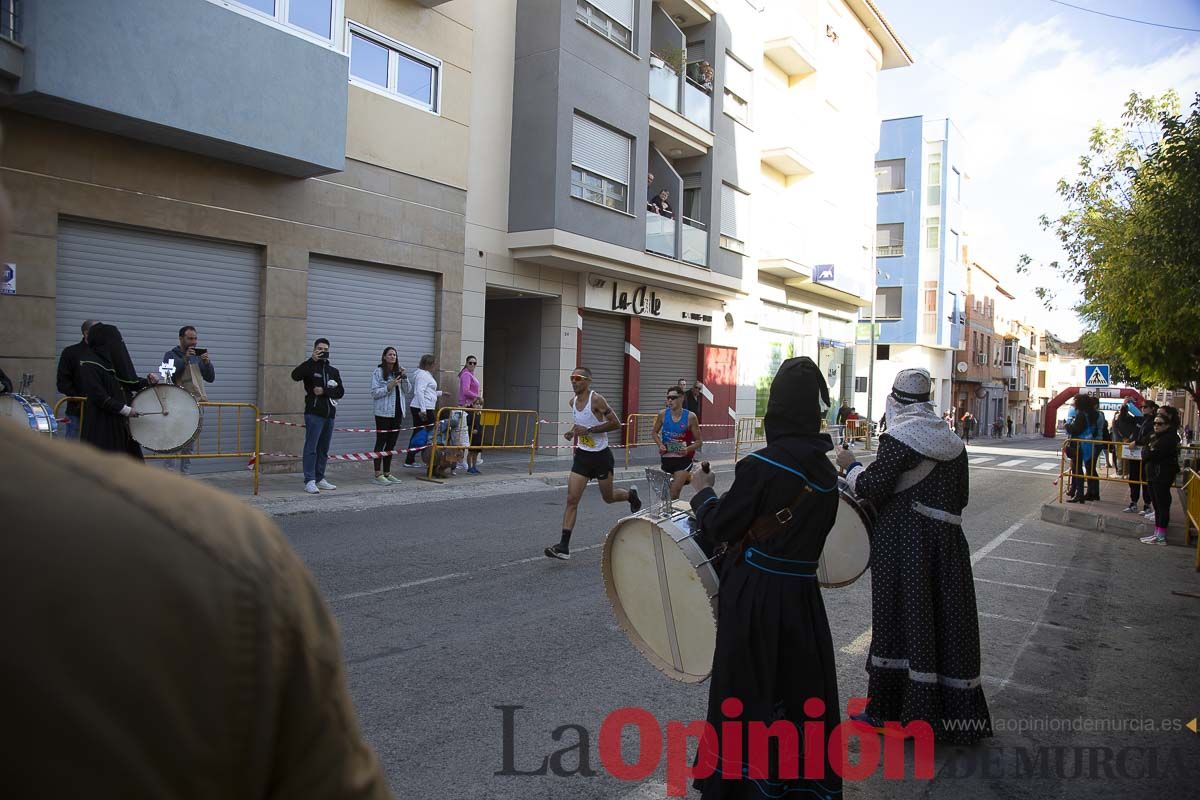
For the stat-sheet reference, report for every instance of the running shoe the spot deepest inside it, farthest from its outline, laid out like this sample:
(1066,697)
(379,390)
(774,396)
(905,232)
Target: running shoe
(406,465)
(381,480)
(392,478)
(1131,508)
(1148,514)
(311,487)
(324,484)
(558,551)
(1148,539)
(473,471)
(635,503)
(1153,540)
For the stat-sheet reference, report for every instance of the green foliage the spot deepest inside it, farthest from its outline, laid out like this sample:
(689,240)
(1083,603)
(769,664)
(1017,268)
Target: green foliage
(1131,233)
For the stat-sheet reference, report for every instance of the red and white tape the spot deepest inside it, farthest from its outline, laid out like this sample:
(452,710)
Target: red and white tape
(270,421)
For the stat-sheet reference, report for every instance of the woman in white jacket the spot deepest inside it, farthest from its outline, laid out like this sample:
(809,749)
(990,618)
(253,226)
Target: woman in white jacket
(389,385)
(424,402)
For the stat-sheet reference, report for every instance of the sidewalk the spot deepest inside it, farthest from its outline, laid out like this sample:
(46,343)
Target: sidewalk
(1109,515)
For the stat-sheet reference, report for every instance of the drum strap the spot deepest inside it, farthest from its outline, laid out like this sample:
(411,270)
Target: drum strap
(768,525)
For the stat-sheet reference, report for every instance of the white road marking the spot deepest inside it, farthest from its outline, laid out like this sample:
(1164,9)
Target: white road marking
(1011,470)
(398,586)
(1030,541)
(1029,622)
(862,643)
(1032,588)
(1012,463)
(1044,564)
(1049,465)
(980,460)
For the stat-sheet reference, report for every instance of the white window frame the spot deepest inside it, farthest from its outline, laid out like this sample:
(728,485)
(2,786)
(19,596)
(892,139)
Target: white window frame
(584,11)
(606,181)
(887,164)
(931,184)
(396,51)
(729,241)
(881,311)
(892,250)
(933,230)
(957,184)
(605,189)
(731,98)
(279,21)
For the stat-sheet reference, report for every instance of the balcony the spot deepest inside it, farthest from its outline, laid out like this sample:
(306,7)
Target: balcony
(697,104)
(793,40)
(689,12)
(888,250)
(664,83)
(788,160)
(660,234)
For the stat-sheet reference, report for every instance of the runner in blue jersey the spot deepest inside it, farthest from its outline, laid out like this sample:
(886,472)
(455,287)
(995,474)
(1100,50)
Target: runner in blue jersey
(677,431)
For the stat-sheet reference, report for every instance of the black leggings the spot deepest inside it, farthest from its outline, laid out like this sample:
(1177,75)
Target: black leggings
(1133,469)
(387,441)
(1160,490)
(419,419)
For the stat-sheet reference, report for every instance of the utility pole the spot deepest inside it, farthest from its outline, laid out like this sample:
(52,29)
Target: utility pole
(871,362)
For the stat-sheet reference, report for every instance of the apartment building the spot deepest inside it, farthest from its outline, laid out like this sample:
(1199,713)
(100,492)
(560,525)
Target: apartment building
(601,106)
(920,265)
(995,363)
(268,171)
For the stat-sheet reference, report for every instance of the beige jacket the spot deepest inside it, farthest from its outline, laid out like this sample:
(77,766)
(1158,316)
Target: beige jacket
(161,640)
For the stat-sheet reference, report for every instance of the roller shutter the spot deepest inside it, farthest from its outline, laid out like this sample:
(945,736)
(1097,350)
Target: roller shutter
(619,10)
(361,309)
(600,150)
(669,352)
(151,284)
(604,355)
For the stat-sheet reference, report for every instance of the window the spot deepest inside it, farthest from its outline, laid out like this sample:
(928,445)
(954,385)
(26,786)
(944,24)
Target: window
(693,197)
(738,83)
(889,175)
(929,315)
(600,164)
(954,252)
(1010,346)
(957,184)
(887,302)
(612,19)
(311,16)
(860,383)
(388,65)
(889,239)
(883,352)
(934,181)
(735,218)
(933,232)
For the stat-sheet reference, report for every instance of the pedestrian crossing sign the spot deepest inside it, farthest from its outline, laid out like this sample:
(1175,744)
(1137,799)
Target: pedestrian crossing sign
(1096,375)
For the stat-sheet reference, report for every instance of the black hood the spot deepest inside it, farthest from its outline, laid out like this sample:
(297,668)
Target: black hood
(108,347)
(799,398)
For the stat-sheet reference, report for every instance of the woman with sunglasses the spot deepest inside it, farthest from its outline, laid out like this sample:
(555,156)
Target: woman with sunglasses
(1161,459)
(469,391)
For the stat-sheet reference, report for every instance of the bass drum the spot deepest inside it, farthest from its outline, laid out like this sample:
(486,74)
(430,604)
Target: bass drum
(169,418)
(663,590)
(847,552)
(30,411)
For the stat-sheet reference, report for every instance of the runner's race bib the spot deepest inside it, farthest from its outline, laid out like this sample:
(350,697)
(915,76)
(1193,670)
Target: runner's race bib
(586,440)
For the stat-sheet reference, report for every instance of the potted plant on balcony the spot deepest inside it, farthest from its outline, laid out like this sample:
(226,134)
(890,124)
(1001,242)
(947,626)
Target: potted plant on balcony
(673,57)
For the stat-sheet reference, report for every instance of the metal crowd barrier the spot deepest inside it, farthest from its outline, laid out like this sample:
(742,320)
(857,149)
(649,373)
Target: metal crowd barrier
(502,429)
(1191,497)
(639,432)
(749,431)
(236,452)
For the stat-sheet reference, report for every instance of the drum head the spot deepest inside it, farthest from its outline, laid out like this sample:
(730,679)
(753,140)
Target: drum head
(164,432)
(28,411)
(847,552)
(663,595)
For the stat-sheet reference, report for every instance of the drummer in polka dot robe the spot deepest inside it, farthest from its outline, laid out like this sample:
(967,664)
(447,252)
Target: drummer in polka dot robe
(924,657)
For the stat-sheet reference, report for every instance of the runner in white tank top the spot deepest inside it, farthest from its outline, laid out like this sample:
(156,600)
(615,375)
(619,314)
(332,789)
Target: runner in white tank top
(593,458)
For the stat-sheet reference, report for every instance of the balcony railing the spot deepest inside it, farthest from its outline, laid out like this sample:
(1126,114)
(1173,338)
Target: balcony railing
(885,250)
(10,19)
(697,104)
(660,234)
(695,242)
(664,85)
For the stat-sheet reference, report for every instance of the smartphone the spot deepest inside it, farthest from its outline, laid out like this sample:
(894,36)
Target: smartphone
(200,350)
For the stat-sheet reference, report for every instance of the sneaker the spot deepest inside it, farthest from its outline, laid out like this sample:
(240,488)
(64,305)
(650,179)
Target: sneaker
(1148,539)
(406,465)
(381,480)
(1131,508)
(311,487)
(391,478)
(558,551)
(473,471)
(324,484)
(461,465)
(635,504)
(1148,514)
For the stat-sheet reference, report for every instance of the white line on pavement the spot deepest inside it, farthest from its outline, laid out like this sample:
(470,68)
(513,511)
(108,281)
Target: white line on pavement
(1032,588)
(1014,469)
(980,460)
(1030,541)
(398,586)
(1049,465)
(862,642)
(1044,564)
(1028,622)
(1012,463)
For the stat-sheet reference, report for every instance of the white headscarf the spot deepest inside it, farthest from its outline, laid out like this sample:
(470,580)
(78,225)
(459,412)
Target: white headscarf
(913,420)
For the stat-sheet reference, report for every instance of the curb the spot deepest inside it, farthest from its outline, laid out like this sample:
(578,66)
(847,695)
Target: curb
(1132,526)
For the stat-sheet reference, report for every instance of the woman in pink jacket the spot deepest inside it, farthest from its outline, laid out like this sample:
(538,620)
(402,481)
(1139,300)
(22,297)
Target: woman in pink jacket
(468,393)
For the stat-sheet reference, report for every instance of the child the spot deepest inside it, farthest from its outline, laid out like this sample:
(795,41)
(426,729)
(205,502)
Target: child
(476,437)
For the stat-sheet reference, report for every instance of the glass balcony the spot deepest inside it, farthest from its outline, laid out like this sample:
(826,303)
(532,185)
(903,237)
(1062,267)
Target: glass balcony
(697,104)
(695,242)
(664,85)
(660,234)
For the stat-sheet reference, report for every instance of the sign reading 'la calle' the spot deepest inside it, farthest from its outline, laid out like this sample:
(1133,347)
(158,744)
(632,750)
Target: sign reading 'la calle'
(644,301)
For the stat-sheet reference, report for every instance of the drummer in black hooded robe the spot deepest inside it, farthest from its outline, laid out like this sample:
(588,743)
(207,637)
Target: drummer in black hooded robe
(108,381)
(774,651)
(924,658)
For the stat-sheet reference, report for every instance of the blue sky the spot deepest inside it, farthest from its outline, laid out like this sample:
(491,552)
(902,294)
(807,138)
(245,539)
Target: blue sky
(1025,81)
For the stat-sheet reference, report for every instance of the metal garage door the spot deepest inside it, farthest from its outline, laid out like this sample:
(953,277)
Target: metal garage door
(150,285)
(604,355)
(668,354)
(361,309)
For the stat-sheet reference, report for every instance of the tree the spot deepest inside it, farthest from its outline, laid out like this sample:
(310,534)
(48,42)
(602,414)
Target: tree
(1131,234)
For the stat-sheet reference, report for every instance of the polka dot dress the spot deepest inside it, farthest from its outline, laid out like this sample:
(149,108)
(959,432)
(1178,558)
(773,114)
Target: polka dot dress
(924,658)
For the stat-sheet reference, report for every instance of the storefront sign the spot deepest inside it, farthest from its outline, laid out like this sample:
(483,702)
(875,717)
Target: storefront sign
(8,279)
(642,300)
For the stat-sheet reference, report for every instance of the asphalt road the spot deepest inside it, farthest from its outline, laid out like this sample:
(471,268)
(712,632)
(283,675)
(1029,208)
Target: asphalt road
(449,611)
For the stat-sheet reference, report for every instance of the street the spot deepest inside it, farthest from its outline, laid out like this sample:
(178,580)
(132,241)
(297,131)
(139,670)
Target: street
(449,610)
